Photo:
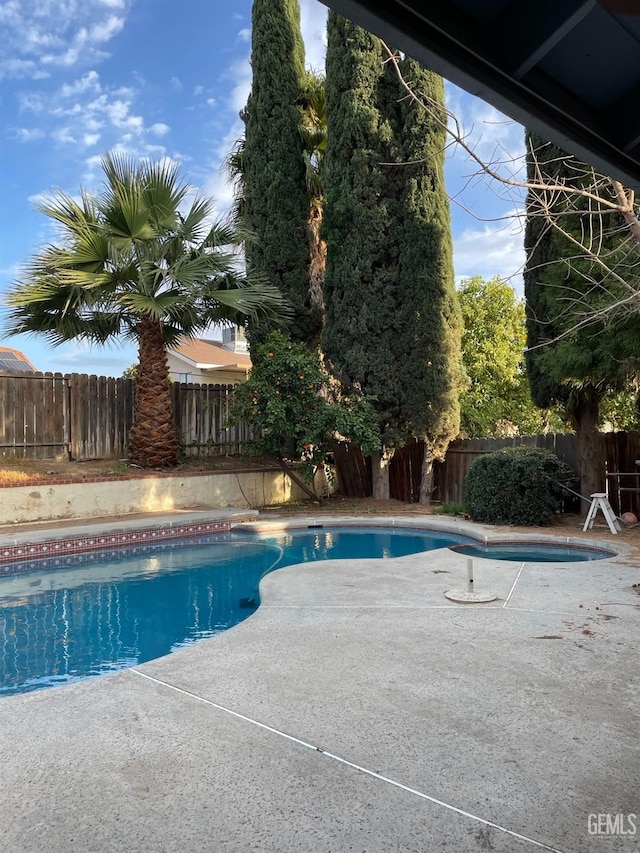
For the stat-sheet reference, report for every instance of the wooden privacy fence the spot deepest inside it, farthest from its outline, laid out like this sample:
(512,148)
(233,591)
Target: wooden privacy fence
(405,470)
(48,415)
(619,452)
(450,474)
(202,416)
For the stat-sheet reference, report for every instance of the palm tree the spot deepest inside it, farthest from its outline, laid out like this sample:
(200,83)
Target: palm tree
(131,264)
(314,137)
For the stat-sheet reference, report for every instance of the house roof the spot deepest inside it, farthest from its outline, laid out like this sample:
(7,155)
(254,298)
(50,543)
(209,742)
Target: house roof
(569,70)
(14,361)
(209,355)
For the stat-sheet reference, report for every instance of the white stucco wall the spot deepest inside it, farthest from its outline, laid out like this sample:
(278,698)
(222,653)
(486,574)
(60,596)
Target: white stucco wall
(150,494)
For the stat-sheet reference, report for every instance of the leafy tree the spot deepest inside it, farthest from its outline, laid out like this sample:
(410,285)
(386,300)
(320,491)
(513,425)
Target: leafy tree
(621,411)
(130,264)
(290,400)
(130,372)
(497,400)
(393,323)
(568,362)
(274,204)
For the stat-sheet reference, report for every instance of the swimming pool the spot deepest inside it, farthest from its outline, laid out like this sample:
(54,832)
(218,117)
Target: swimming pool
(97,614)
(538,552)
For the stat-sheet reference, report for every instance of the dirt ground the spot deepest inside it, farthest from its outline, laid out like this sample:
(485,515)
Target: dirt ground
(25,471)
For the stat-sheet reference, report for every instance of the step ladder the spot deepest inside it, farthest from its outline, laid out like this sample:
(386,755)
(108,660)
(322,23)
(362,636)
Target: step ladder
(599,500)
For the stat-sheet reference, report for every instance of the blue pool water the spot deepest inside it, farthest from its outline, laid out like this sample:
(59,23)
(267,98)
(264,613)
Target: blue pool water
(98,612)
(101,613)
(539,553)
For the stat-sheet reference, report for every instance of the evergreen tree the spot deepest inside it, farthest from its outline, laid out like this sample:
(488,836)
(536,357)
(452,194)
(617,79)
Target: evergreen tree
(393,324)
(568,363)
(275,204)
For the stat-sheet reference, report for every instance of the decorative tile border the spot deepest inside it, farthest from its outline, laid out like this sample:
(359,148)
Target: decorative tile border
(13,558)
(88,558)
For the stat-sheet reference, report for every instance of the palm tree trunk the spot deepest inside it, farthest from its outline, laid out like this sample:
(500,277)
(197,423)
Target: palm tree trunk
(318,258)
(153,440)
(317,267)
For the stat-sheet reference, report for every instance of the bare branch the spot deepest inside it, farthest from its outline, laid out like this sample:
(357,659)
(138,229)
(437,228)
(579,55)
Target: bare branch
(622,201)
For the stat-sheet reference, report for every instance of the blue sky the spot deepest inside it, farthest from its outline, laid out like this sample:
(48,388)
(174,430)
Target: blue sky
(161,79)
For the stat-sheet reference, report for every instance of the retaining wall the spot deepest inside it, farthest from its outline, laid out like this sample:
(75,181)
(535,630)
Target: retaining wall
(118,496)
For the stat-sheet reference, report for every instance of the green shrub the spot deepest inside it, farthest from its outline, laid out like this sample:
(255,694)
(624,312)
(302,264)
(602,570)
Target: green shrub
(518,485)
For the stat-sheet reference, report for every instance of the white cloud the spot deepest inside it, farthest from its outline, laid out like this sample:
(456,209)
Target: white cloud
(198,90)
(159,129)
(313,23)
(30,102)
(26,134)
(211,102)
(40,36)
(239,72)
(105,30)
(14,67)
(63,135)
(244,35)
(491,249)
(38,198)
(88,82)
(86,111)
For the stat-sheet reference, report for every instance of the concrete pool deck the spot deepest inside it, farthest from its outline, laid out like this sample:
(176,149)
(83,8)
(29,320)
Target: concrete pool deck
(357,710)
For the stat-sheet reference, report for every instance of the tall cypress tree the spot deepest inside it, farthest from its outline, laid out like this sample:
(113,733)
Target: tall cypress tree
(429,359)
(275,203)
(567,363)
(393,325)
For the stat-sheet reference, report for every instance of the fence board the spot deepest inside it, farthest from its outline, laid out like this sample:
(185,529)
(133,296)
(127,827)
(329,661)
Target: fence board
(622,452)
(32,415)
(9,416)
(202,417)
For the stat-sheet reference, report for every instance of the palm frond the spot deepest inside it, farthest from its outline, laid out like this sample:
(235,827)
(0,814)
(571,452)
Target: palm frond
(256,300)
(193,227)
(128,255)
(163,192)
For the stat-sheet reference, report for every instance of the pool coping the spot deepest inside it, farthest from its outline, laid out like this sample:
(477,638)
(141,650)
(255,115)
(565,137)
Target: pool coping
(23,552)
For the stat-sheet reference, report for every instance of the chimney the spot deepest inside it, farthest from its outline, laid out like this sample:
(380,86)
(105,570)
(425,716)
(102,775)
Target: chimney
(233,339)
